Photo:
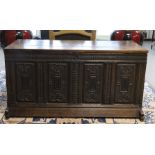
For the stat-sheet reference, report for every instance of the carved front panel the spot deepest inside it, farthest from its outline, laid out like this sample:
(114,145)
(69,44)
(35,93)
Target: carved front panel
(25,82)
(92,82)
(125,83)
(58,82)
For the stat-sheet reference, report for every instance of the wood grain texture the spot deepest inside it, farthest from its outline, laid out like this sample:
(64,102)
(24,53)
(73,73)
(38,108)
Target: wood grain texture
(74,112)
(80,46)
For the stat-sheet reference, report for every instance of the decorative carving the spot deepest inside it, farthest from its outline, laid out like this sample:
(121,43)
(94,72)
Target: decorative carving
(92,80)
(140,77)
(10,82)
(54,56)
(25,75)
(41,82)
(58,82)
(125,79)
(107,83)
(74,83)
(92,83)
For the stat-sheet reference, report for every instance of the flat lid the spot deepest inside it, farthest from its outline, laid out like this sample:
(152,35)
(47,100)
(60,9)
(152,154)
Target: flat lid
(78,45)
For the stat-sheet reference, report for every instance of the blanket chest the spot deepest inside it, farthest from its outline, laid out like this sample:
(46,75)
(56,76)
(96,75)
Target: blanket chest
(75,78)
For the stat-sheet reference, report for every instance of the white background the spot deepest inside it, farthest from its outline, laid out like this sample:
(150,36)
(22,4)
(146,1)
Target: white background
(77,14)
(77,139)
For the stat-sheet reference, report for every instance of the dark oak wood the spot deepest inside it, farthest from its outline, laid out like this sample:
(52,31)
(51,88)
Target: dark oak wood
(75,78)
(141,116)
(74,112)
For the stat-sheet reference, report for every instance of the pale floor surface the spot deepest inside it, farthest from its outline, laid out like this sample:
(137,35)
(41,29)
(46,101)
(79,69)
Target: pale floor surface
(150,69)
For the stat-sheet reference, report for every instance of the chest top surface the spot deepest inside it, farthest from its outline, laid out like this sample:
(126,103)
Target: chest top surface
(77,46)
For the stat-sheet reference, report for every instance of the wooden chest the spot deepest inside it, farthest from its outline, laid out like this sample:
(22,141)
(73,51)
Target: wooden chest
(74,78)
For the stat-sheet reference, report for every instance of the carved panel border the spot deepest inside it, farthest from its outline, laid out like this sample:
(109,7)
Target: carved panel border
(92,82)
(25,82)
(58,82)
(125,83)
